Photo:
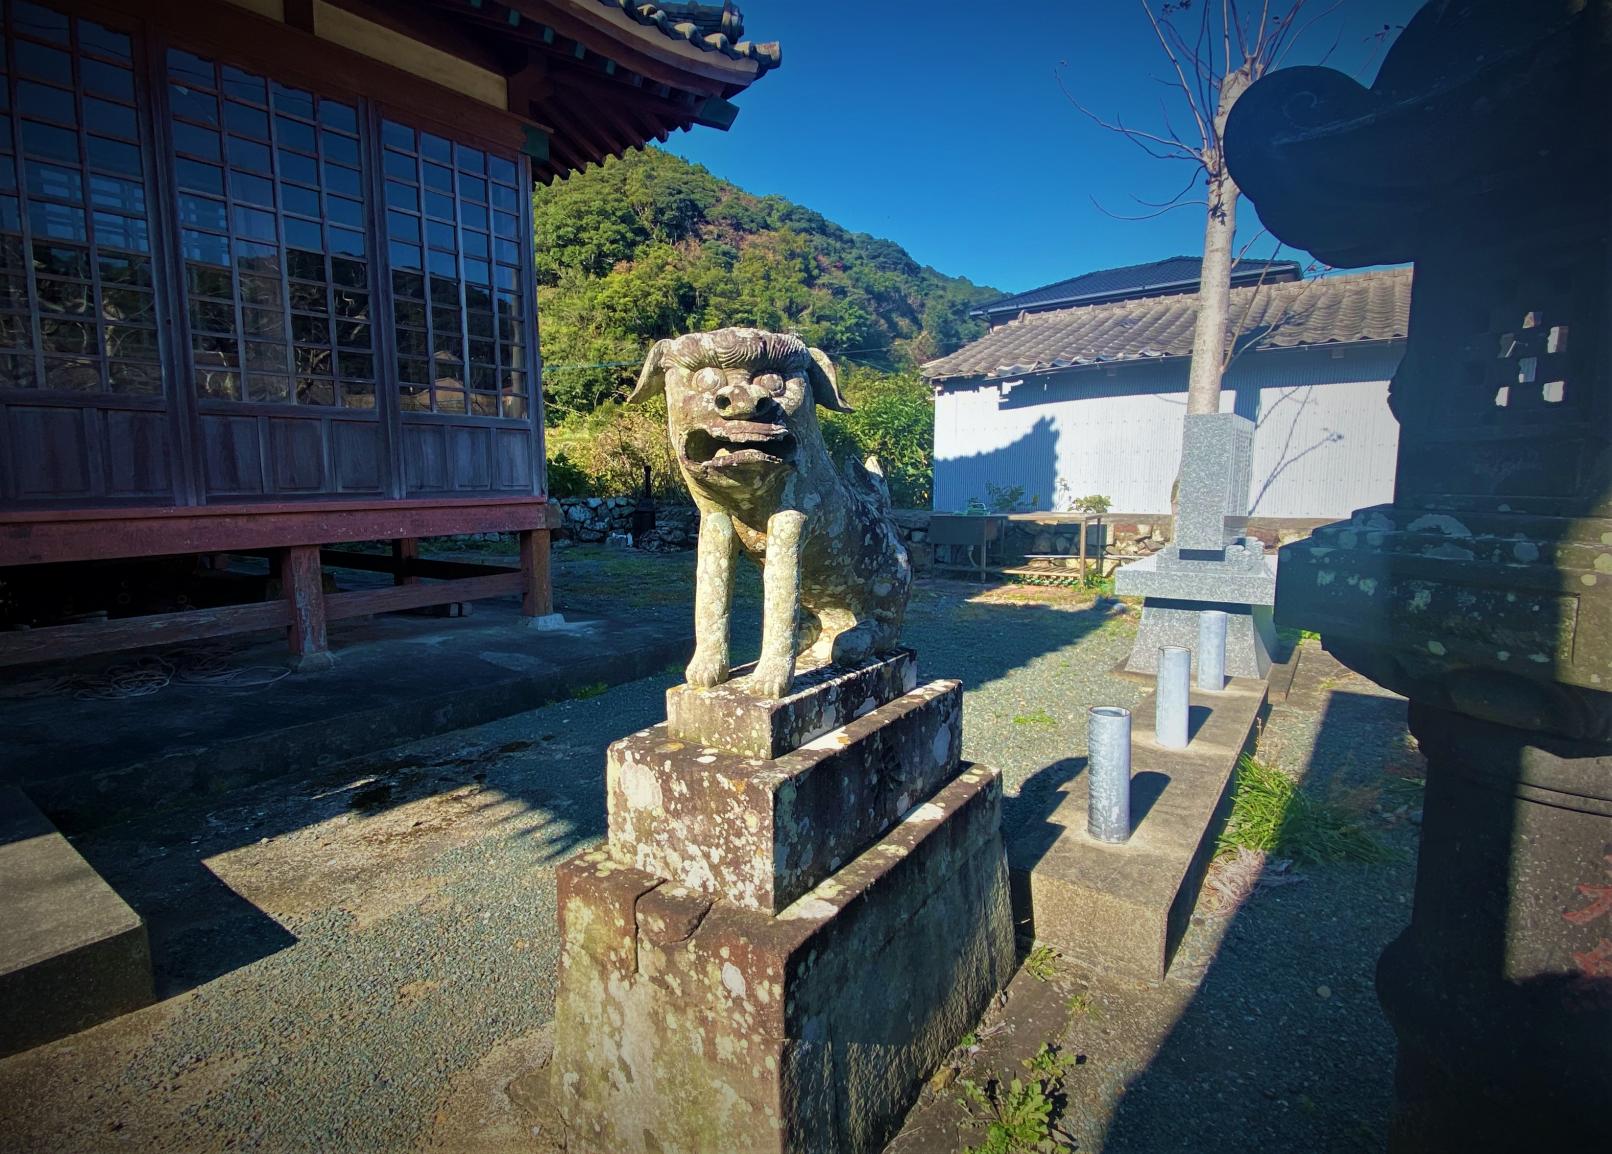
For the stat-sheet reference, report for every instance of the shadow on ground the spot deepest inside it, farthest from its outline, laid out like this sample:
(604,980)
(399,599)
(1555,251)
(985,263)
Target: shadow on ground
(1282,1046)
(1267,1034)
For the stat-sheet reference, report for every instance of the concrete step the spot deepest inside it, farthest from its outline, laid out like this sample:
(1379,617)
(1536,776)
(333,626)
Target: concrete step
(72,953)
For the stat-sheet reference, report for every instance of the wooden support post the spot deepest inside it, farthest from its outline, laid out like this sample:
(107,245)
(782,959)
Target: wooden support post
(302,585)
(405,551)
(1084,522)
(537,593)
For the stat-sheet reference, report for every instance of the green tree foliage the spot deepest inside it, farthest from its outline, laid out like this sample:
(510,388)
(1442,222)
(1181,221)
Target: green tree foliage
(650,246)
(894,420)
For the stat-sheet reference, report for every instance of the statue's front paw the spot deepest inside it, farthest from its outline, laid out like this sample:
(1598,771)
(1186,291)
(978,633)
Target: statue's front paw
(771,678)
(706,670)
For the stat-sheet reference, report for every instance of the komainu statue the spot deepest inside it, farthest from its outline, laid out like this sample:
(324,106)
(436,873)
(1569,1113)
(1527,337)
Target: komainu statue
(741,407)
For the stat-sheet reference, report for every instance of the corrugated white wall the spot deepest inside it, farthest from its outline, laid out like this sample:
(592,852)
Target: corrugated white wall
(1324,441)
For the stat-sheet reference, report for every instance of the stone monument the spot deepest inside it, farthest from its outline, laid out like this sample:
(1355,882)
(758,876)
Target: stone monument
(802,903)
(1210,564)
(1484,591)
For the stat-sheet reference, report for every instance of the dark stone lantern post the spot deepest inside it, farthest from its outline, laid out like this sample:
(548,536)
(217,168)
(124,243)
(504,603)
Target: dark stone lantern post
(1484,591)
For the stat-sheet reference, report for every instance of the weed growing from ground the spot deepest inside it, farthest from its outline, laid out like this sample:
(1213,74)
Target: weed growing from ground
(1039,717)
(1018,1116)
(583,692)
(1271,814)
(1042,963)
(1080,1004)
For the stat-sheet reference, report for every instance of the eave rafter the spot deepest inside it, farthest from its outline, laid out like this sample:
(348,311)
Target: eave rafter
(596,88)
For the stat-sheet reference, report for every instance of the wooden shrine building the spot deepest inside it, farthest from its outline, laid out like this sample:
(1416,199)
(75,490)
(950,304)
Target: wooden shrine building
(266,283)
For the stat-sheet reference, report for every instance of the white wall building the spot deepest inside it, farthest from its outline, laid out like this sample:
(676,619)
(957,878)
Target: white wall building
(1089,399)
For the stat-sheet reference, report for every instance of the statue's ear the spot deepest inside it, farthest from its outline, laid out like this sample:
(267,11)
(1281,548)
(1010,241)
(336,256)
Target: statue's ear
(652,378)
(826,383)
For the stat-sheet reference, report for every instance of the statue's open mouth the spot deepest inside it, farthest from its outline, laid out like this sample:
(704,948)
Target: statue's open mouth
(736,443)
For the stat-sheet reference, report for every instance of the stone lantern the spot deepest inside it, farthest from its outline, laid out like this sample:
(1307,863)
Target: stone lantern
(1483,593)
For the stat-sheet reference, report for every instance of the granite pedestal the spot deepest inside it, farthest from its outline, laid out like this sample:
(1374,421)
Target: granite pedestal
(774,953)
(1209,564)
(1122,909)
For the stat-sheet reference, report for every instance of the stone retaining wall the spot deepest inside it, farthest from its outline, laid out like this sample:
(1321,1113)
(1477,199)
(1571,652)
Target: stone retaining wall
(597,519)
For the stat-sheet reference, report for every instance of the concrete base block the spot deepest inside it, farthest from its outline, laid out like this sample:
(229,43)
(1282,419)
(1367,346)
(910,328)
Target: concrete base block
(729,717)
(1122,909)
(762,833)
(1250,635)
(687,1026)
(545,622)
(72,953)
(320,661)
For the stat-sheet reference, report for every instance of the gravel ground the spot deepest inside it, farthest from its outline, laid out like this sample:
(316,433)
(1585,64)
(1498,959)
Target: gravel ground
(346,955)
(361,958)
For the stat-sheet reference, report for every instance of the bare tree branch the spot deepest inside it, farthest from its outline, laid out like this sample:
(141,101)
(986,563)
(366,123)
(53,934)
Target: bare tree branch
(1310,275)
(1135,135)
(1281,51)
(1181,75)
(1191,181)
(1147,215)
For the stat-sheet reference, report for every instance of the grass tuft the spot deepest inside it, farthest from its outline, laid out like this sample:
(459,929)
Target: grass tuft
(1271,814)
(1039,717)
(583,692)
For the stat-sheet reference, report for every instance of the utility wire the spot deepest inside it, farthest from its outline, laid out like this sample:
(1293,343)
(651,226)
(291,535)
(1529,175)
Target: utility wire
(547,369)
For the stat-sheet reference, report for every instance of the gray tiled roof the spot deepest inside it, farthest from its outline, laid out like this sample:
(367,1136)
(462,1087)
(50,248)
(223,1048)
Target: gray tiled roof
(1368,306)
(1172,274)
(711,27)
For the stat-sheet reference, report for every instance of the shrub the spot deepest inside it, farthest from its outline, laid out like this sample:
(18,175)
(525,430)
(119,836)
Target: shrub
(567,478)
(610,447)
(895,422)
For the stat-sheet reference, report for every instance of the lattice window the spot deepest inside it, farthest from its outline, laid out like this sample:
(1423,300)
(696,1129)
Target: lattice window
(453,228)
(272,209)
(78,303)
(1533,371)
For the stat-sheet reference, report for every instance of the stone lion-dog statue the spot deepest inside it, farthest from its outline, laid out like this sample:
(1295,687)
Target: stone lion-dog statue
(741,406)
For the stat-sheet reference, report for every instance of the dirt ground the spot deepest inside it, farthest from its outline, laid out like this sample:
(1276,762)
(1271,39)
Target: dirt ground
(360,957)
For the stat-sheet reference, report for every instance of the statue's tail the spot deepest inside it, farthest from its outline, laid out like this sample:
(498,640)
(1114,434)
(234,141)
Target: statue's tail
(869,476)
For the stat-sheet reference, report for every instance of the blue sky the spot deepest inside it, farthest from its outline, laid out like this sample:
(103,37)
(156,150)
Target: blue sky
(940,125)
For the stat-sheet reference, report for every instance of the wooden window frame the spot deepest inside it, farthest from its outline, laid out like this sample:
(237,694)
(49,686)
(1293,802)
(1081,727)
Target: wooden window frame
(150,160)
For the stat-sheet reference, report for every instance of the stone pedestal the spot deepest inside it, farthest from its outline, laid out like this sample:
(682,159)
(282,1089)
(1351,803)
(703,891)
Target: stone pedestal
(774,953)
(1209,565)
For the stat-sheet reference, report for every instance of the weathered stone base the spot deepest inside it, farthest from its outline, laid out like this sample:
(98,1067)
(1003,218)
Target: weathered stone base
(684,1026)
(730,717)
(1250,635)
(72,953)
(762,833)
(1122,909)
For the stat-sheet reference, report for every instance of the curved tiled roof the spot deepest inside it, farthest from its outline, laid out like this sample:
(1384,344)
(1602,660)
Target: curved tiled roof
(1172,274)
(1369,306)
(712,27)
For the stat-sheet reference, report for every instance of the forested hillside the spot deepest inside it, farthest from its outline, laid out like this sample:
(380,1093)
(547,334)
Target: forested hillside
(651,246)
